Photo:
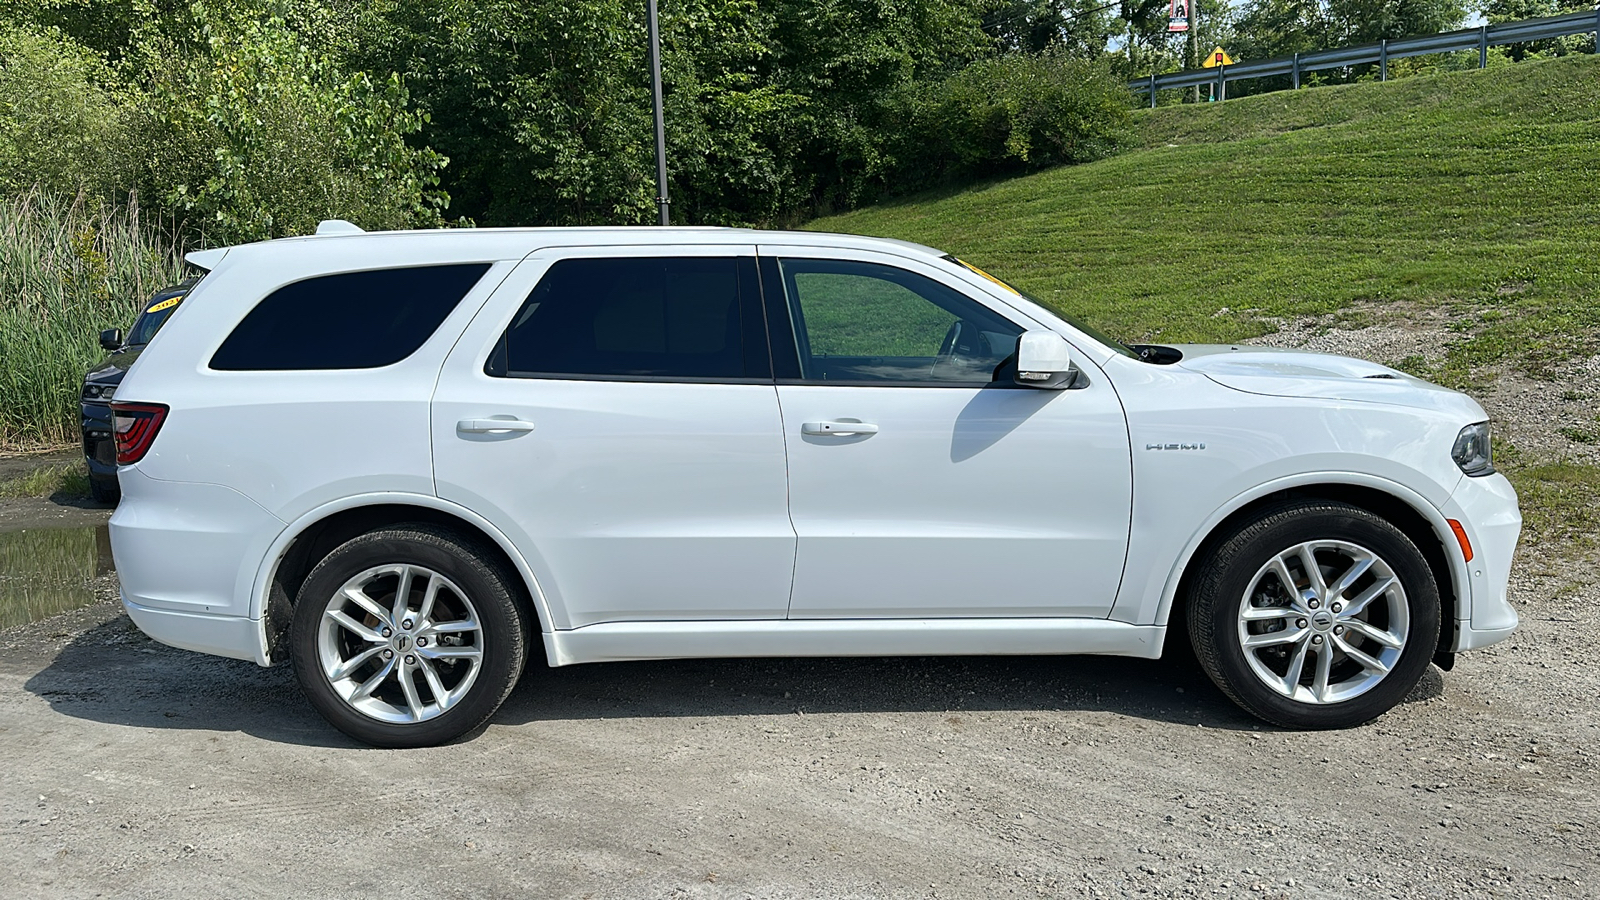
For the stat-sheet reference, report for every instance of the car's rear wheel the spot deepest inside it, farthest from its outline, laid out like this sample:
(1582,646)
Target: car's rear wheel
(1315,615)
(408,637)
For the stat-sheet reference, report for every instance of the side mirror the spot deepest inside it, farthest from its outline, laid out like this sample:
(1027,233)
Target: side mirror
(1044,360)
(111,339)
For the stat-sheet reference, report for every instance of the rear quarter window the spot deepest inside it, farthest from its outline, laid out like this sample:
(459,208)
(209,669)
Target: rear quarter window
(351,320)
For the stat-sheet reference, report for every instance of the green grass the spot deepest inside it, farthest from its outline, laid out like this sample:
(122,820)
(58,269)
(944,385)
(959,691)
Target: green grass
(855,315)
(69,480)
(1478,192)
(1558,501)
(67,270)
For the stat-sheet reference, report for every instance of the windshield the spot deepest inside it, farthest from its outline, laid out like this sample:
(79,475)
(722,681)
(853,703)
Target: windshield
(149,323)
(157,311)
(1074,321)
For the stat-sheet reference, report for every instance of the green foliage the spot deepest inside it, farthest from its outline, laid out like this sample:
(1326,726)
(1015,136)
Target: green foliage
(67,270)
(1268,28)
(1011,114)
(66,479)
(1263,29)
(62,122)
(1514,10)
(255,134)
(1076,28)
(545,109)
(241,118)
(772,109)
(1364,21)
(1475,192)
(1560,500)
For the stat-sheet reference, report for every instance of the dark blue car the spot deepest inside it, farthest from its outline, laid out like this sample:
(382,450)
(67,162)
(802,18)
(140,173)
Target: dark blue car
(100,385)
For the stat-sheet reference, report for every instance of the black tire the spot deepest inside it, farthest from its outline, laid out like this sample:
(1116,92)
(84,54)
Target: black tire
(1218,629)
(471,588)
(105,491)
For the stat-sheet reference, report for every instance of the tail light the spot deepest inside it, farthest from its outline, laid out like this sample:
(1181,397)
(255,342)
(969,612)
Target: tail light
(135,426)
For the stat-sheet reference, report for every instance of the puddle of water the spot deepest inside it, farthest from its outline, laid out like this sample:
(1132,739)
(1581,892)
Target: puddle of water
(44,571)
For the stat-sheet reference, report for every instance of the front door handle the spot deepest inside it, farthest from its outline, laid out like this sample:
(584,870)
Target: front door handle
(493,426)
(840,428)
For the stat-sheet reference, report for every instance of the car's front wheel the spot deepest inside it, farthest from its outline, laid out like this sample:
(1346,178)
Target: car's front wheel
(1317,614)
(408,636)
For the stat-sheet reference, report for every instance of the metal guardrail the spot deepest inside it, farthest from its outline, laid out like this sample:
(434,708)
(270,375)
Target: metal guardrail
(1480,39)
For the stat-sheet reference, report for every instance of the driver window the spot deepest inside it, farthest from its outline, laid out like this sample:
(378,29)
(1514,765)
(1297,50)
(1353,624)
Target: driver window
(865,322)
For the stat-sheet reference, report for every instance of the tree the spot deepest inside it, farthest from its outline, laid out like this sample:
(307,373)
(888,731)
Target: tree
(1079,29)
(1514,10)
(1364,21)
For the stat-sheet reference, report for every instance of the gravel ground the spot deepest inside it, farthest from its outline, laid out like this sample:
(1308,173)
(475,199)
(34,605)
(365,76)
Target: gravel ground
(136,770)
(1545,419)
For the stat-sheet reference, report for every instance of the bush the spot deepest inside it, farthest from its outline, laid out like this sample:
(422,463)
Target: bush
(1013,114)
(62,125)
(257,135)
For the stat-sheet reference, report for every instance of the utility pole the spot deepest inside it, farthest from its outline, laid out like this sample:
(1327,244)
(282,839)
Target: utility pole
(1192,39)
(661,130)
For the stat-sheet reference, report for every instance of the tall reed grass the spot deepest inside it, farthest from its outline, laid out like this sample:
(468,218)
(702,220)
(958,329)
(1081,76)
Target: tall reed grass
(69,267)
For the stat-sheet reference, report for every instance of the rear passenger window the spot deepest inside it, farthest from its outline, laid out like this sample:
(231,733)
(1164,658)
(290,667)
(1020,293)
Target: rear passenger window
(353,320)
(667,317)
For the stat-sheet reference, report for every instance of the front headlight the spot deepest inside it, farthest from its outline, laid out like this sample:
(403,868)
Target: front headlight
(1472,452)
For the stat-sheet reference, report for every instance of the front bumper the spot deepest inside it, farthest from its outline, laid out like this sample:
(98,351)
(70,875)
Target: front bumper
(1486,507)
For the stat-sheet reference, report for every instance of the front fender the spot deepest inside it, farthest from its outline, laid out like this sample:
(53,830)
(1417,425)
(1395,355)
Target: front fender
(1154,605)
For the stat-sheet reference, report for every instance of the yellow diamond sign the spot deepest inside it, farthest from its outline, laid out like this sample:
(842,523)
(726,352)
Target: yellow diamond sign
(1218,57)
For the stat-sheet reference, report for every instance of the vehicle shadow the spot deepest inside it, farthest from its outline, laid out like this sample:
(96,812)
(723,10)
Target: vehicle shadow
(1172,691)
(113,674)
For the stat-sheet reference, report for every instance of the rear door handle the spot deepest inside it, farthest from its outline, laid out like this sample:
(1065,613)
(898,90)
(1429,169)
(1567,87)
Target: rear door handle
(838,428)
(493,426)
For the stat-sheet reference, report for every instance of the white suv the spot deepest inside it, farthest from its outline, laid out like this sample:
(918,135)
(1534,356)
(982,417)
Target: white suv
(397,459)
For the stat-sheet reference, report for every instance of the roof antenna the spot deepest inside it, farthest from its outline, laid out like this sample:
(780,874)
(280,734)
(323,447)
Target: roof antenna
(338,226)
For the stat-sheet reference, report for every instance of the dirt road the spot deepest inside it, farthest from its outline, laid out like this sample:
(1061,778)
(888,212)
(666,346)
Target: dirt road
(135,770)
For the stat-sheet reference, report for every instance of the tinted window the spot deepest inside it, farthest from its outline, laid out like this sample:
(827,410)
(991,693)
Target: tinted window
(671,317)
(868,323)
(353,320)
(150,322)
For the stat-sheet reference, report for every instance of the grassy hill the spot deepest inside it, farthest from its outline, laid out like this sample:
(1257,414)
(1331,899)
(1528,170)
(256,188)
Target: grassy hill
(1476,190)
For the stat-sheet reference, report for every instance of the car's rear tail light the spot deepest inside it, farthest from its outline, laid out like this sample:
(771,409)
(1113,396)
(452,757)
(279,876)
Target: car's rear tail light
(135,425)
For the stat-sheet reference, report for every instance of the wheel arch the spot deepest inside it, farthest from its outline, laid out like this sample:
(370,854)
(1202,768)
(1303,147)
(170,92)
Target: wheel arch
(1418,519)
(311,537)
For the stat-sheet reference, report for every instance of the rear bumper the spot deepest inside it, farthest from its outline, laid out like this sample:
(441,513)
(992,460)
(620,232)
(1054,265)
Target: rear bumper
(1486,507)
(187,556)
(232,636)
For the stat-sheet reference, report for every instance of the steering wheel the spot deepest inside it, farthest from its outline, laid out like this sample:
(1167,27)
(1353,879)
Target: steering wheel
(961,341)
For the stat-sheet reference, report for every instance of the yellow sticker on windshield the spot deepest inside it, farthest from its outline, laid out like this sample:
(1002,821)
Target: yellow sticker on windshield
(165,304)
(990,277)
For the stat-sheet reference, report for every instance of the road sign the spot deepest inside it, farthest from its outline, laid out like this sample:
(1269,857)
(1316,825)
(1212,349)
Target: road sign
(1218,57)
(1178,15)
